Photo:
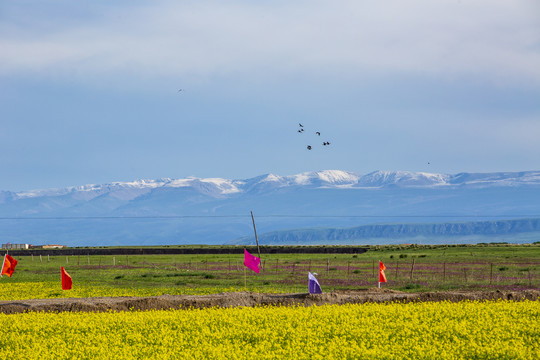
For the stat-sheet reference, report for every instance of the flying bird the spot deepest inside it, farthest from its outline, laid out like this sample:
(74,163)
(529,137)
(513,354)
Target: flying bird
(300,125)
(318,133)
(326,143)
(180,90)
(309,147)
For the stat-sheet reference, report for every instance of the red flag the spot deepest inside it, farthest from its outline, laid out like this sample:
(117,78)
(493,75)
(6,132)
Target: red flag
(382,276)
(66,279)
(251,261)
(8,266)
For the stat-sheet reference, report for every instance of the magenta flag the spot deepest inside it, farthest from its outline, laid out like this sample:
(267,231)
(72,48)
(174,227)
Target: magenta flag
(251,261)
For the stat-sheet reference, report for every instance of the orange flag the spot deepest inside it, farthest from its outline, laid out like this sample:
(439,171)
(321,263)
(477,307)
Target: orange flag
(382,276)
(8,266)
(66,279)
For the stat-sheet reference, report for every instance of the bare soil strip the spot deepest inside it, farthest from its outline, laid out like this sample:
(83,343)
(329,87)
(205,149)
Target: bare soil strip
(100,304)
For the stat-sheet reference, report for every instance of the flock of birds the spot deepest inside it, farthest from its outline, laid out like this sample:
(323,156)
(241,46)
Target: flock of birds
(309,147)
(301,130)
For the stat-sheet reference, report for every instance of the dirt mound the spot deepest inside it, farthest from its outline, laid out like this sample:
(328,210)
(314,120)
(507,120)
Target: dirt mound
(99,304)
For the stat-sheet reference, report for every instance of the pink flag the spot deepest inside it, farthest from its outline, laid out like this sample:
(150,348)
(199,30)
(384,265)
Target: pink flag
(251,261)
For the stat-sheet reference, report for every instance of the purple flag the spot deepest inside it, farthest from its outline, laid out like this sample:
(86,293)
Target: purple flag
(251,261)
(314,287)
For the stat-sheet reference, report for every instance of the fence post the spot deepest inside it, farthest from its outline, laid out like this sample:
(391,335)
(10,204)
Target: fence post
(490,273)
(348,269)
(412,269)
(327,267)
(444,272)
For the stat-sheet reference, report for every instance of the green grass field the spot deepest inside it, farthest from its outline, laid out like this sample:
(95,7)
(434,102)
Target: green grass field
(408,268)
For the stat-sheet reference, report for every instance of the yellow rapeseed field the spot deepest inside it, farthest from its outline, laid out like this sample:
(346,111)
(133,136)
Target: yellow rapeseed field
(465,330)
(50,290)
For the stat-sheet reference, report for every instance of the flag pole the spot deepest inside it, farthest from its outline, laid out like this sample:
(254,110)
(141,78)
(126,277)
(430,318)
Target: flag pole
(379,275)
(245,279)
(3,262)
(256,239)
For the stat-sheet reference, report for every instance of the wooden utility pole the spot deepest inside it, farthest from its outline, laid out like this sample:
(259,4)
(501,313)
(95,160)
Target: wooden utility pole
(256,239)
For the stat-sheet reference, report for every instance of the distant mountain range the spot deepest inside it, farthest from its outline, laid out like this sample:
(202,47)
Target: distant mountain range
(217,211)
(514,231)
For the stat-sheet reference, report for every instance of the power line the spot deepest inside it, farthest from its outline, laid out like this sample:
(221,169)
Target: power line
(261,216)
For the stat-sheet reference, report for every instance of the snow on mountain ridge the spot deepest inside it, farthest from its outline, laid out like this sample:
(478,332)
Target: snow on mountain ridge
(326,178)
(338,177)
(403,178)
(501,178)
(97,189)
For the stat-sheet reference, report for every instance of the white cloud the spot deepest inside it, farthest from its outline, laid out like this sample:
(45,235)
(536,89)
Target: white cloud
(495,39)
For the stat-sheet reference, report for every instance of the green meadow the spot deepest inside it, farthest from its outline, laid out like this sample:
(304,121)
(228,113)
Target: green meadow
(408,268)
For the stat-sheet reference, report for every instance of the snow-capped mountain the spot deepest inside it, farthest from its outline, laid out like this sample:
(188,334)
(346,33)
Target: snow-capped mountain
(214,210)
(134,189)
(498,178)
(403,178)
(323,179)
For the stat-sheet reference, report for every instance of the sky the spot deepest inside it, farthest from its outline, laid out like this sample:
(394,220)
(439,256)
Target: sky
(89,91)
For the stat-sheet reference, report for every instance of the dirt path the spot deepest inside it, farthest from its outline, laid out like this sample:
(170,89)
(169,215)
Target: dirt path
(99,304)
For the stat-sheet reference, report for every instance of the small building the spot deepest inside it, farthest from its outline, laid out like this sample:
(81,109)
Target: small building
(10,246)
(53,246)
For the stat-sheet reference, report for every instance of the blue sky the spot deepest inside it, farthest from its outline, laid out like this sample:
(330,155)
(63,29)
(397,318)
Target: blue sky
(89,91)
